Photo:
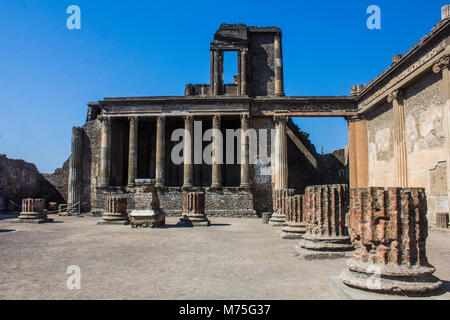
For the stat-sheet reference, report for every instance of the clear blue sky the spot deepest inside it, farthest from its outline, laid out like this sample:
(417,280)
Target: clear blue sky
(133,48)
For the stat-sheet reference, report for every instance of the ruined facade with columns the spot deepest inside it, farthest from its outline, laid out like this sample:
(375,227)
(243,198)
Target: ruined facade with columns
(397,127)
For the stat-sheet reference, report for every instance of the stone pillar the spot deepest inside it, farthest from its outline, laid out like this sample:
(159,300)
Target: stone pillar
(160,151)
(132,151)
(216,73)
(33,211)
(281,157)
(216,175)
(244,53)
(279,210)
(105,152)
(75,173)
(187,152)
(211,72)
(326,234)
(245,179)
(399,137)
(239,73)
(388,227)
(443,66)
(295,218)
(358,152)
(279,88)
(115,211)
(194,209)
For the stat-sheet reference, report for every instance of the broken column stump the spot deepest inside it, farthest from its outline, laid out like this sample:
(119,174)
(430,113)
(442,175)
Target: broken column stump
(295,225)
(194,210)
(115,211)
(148,218)
(32,212)
(279,215)
(388,229)
(326,234)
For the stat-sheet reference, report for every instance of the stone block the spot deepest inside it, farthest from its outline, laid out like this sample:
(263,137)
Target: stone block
(194,210)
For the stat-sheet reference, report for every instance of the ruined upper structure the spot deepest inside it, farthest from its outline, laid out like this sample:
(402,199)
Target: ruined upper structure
(259,62)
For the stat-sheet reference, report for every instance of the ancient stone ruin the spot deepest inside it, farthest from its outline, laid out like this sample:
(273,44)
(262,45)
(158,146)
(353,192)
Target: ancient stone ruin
(194,210)
(326,234)
(33,211)
(295,225)
(115,211)
(279,206)
(388,228)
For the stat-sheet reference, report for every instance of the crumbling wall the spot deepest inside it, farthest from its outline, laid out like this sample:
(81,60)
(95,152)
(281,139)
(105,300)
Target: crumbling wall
(60,179)
(20,179)
(262,64)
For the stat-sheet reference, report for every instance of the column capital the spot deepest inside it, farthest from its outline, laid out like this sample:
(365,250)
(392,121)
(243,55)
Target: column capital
(133,120)
(394,95)
(105,120)
(188,117)
(282,119)
(355,118)
(441,64)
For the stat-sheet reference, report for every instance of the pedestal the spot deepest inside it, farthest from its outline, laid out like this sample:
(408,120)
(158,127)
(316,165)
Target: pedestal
(32,212)
(194,210)
(115,211)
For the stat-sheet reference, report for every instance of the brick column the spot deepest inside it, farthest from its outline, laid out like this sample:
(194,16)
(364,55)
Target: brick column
(217,157)
(160,151)
(358,152)
(211,72)
(75,167)
(216,73)
(279,87)
(281,156)
(105,161)
(295,225)
(187,152)
(245,179)
(397,101)
(279,209)
(326,235)
(388,227)
(32,212)
(115,211)
(132,151)
(194,209)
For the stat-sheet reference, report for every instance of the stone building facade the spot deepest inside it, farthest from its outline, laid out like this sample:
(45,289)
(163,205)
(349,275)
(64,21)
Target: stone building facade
(397,126)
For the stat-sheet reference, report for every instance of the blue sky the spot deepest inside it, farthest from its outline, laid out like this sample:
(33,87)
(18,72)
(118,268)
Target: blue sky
(134,48)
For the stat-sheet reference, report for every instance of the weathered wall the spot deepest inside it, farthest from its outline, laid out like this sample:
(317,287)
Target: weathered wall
(60,179)
(20,179)
(262,75)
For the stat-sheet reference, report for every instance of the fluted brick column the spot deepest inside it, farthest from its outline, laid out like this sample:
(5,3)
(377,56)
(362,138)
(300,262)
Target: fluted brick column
(194,209)
(105,150)
(326,233)
(33,211)
(75,167)
(295,225)
(279,210)
(279,87)
(245,178)
(217,157)
(187,152)
(244,54)
(388,228)
(115,210)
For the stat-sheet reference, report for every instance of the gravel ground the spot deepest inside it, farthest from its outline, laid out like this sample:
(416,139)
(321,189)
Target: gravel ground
(232,259)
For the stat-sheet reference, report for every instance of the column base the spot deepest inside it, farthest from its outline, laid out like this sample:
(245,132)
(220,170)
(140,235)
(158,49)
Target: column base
(216,186)
(307,254)
(159,185)
(322,243)
(390,278)
(277,219)
(186,186)
(293,230)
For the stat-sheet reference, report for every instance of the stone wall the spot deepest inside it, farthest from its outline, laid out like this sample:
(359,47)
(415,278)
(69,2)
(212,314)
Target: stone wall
(60,179)
(20,179)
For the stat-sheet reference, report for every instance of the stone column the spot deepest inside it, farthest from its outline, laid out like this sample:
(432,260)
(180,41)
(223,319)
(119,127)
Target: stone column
(295,225)
(216,73)
(115,211)
(326,235)
(388,227)
(105,152)
(399,137)
(281,157)
(216,175)
(244,53)
(32,212)
(211,72)
(279,206)
(245,179)
(160,151)
(75,167)
(187,152)
(194,209)
(279,88)
(443,66)
(358,152)
(132,151)
(239,73)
